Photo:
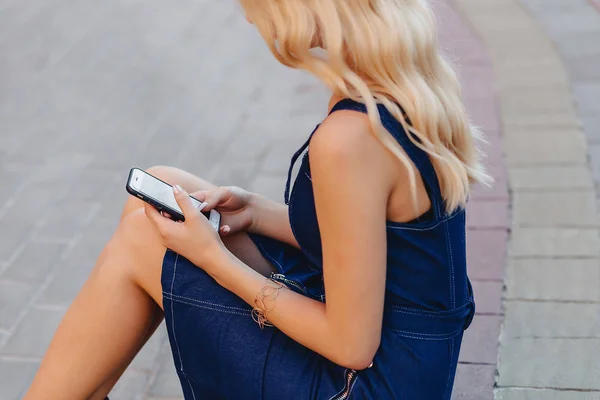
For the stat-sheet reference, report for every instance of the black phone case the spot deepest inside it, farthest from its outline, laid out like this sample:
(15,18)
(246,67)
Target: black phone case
(175,215)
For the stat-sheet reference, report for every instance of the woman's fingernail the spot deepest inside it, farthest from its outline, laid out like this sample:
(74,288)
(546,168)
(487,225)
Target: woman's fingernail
(177,189)
(226,229)
(202,205)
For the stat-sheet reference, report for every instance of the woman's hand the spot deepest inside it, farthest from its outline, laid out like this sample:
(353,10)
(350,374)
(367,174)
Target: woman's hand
(194,239)
(233,203)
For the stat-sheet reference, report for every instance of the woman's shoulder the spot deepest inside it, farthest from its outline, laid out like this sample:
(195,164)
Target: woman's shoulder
(345,144)
(343,134)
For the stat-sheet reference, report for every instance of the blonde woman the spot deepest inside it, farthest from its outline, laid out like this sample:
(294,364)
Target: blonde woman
(357,288)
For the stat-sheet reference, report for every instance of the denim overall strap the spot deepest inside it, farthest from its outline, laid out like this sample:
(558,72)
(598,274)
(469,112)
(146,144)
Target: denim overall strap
(419,157)
(293,162)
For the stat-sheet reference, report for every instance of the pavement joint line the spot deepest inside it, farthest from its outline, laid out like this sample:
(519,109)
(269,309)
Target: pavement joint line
(537,337)
(26,184)
(559,226)
(581,189)
(49,239)
(488,280)
(162,398)
(13,358)
(35,234)
(34,298)
(558,301)
(50,307)
(12,257)
(544,257)
(214,171)
(475,363)
(153,375)
(491,228)
(521,165)
(557,389)
(13,282)
(139,371)
(490,198)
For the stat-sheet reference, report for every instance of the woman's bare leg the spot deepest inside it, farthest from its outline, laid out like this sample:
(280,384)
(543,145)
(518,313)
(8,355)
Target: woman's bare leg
(115,312)
(109,384)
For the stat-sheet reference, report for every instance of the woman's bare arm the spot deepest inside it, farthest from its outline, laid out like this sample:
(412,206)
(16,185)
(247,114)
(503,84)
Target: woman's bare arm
(351,189)
(271,219)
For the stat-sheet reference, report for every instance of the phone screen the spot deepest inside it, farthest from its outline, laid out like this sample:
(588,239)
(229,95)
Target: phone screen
(158,190)
(153,190)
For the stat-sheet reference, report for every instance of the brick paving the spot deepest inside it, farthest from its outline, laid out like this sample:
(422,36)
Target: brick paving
(487,214)
(543,67)
(93,88)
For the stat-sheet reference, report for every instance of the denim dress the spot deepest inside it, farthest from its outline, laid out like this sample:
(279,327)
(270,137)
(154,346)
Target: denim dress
(221,353)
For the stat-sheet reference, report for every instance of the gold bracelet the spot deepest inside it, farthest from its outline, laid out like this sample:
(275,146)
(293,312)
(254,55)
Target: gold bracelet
(265,302)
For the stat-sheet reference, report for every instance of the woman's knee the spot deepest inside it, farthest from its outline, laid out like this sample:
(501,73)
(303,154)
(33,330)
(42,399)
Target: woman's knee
(140,251)
(175,176)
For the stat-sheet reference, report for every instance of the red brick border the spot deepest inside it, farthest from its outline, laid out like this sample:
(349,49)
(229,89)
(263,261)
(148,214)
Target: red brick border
(488,218)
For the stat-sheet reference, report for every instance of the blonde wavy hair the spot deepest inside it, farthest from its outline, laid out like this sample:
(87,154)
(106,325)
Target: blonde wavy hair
(386,52)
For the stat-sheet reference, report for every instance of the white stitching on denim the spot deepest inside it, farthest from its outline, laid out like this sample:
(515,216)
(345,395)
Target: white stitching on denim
(427,228)
(290,207)
(173,314)
(415,311)
(423,314)
(210,308)
(266,253)
(191,388)
(206,302)
(451,261)
(451,334)
(424,336)
(244,314)
(421,337)
(450,367)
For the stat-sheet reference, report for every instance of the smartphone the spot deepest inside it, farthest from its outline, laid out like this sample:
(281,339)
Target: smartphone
(160,195)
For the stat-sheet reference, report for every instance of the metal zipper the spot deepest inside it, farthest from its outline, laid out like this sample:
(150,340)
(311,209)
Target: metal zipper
(350,379)
(282,278)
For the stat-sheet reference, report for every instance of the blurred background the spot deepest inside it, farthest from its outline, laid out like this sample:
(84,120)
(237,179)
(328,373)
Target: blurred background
(90,89)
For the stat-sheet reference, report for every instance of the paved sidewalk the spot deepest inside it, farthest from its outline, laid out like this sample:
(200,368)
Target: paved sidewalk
(487,214)
(93,88)
(546,58)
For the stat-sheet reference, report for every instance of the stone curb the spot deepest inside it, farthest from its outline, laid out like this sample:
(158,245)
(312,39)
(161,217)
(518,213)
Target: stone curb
(487,211)
(554,221)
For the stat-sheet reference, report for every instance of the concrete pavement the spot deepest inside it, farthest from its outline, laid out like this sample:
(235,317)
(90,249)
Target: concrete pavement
(89,89)
(546,57)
